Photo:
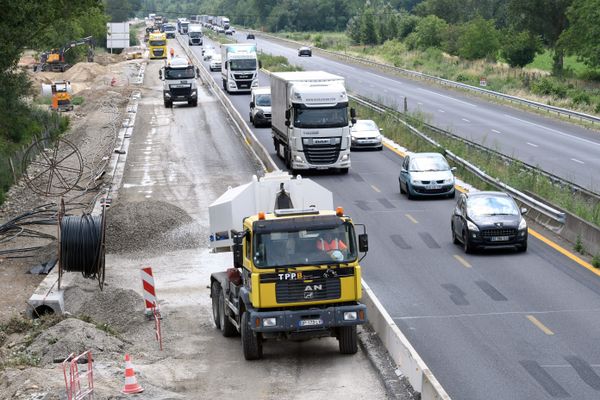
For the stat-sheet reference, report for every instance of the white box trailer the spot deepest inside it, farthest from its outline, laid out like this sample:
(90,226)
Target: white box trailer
(310,124)
(228,211)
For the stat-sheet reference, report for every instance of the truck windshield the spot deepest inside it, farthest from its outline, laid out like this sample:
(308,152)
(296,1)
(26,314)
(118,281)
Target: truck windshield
(157,43)
(327,117)
(180,73)
(305,247)
(194,35)
(243,65)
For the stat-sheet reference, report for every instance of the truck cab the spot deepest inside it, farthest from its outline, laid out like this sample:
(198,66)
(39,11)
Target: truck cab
(179,82)
(157,45)
(286,283)
(169,30)
(239,69)
(195,36)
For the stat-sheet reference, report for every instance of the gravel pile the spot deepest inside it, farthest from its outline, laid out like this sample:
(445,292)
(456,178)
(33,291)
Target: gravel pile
(150,226)
(120,309)
(74,336)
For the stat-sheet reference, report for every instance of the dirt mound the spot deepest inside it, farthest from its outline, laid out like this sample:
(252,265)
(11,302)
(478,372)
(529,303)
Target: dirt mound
(84,72)
(153,226)
(120,309)
(107,58)
(74,336)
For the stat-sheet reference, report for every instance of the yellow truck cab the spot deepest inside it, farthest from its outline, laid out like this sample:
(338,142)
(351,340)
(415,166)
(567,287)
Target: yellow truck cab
(296,271)
(157,43)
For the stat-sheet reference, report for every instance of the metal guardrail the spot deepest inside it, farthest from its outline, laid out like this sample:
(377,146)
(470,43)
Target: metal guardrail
(543,208)
(530,103)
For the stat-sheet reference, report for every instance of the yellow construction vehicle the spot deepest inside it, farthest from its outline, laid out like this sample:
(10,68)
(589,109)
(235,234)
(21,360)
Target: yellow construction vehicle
(54,60)
(60,92)
(157,44)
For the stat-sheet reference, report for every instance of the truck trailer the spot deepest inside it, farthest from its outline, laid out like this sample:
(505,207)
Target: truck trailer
(310,121)
(239,69)
(282,284)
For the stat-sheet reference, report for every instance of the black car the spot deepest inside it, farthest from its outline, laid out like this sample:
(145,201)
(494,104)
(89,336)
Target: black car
(304,51)
(250,36)
(488,219)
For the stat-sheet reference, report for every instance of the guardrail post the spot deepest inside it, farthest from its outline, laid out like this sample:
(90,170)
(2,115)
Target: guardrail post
(405,104)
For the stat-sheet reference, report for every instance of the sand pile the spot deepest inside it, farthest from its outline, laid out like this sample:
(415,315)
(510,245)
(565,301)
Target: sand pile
(153,226)
(85,72)
(74,336)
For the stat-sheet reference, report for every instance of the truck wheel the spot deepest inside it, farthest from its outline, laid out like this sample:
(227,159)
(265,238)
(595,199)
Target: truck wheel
(251,342)
(348,340)
(168,104)
(215,294)
(344,171)
(193,103)
(224,83)
(227,328)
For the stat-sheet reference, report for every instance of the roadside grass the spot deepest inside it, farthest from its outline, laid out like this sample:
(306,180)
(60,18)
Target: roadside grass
(512,174)
(578,90)
(223,39)
(276,63)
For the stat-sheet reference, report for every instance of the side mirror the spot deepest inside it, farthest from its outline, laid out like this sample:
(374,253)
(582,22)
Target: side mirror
(238,252)
(259,64)
(288,114)
(524,211)
(287,122)
(453,169)
(363,242)
(160,73)
(251,104)
(353,120)
(352,113)
(197,71)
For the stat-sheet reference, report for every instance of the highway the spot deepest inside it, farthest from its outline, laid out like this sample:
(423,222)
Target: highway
(566,150)
(494,325)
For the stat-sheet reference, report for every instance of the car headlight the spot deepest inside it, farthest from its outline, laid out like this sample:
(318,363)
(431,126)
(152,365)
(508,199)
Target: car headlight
(472,227)
(522,224)
(354,139)
(272,321)
(416,182)
(350,316)
(449,180)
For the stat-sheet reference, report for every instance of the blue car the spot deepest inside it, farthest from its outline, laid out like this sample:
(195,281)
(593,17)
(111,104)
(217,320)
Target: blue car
(426,174)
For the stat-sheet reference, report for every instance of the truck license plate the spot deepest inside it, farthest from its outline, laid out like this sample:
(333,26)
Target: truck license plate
(499,238)
(311,322)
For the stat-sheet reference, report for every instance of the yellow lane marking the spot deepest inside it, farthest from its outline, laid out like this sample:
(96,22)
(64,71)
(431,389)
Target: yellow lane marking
(411,218)
(564,251)
(461,260)
(537,323)
(395,150)
(376,189)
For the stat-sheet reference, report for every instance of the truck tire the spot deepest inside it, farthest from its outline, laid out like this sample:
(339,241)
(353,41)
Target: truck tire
(344,171)
(251,342)
(224,84)
(193,103)
(348,340)
(227,328)
(168,104)
(215,294)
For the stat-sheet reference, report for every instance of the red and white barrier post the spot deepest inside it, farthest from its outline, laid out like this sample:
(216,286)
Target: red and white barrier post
(149,291)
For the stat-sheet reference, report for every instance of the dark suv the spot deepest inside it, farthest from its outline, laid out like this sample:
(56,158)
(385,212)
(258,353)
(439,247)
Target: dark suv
(488,219)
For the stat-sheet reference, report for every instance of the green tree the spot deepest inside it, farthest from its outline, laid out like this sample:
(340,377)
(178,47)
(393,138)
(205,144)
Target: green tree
(368,32)
(429,32)
(520,48)
(479,39)
(546,18)
(406,24)
(582,38)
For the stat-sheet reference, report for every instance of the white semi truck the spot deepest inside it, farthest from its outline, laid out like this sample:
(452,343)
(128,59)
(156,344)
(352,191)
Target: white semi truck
(195,35)
(179,82)
(223,22)
(239,68)
(310,121)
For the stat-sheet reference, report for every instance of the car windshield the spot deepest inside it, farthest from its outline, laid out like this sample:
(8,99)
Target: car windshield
(180,73)
(365,125)
(420,164)
(158,43)
(480,206)
(327,117)
(305,247)
(263,100)
(243,65)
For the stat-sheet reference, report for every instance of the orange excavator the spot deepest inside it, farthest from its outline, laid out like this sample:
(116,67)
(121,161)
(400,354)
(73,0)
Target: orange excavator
(54,60)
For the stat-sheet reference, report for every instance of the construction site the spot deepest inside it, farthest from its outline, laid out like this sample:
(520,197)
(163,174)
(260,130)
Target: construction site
(134,314)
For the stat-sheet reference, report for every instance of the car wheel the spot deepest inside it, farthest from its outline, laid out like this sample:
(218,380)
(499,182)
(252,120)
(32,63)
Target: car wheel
(455,239)
(452,195)
(467,246)
(522,248)
(409,193)
(401,190)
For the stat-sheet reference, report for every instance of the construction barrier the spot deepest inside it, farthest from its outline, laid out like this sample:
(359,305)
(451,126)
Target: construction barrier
(73,376)
(131,384)
(149,291)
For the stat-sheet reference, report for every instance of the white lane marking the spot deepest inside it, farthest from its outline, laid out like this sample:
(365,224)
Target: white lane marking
(500,313)
(466,120)
(442,111)
(419,103)
(553,130)
(448,97)
(383,77)
(577,161)
(532,144)
(495,131)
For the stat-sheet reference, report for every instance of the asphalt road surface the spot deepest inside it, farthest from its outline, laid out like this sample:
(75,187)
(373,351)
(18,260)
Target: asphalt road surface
(566,150)
(493,325)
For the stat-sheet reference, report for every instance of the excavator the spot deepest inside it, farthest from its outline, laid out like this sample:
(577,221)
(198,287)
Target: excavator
(54,60)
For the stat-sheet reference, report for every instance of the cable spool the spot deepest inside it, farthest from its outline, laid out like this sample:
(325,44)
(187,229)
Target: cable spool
(82,245)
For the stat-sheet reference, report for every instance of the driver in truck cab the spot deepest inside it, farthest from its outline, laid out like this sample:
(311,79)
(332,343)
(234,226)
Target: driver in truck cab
(329,243)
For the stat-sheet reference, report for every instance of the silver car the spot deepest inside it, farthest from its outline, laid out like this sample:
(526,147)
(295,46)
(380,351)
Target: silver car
(426,174)
(366,134)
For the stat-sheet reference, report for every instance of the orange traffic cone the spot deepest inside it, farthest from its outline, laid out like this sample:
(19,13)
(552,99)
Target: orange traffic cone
(131,385)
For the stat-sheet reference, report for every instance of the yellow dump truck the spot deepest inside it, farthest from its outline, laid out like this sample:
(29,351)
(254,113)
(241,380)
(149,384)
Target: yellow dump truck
(296,271)
(157,43)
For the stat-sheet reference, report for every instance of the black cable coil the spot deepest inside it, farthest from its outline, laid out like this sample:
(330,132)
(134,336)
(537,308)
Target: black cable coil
(81,244)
